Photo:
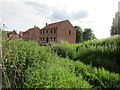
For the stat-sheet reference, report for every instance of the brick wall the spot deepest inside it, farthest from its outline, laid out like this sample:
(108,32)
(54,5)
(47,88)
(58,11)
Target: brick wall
(66,32)
(49,34)
(32,34)
(36,34)
(57,32)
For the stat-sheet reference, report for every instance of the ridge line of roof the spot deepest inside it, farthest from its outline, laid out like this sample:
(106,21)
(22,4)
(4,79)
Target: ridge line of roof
(56,23)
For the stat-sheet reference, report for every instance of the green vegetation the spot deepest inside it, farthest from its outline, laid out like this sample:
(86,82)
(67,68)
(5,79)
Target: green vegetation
(84,35)
(99,53)
(28,65)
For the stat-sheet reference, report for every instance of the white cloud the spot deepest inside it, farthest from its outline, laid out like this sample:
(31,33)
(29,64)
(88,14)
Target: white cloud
(24,14)
(20,16)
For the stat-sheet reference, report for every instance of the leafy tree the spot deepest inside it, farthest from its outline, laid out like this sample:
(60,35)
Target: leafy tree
(79,33)
(118,23)
(88,34)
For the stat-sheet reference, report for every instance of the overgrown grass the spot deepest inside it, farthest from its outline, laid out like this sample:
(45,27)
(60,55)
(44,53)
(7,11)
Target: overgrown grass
(99,53)
(28,65)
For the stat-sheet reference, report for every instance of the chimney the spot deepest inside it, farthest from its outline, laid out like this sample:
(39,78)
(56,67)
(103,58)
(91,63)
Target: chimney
(34,26)
(46,24)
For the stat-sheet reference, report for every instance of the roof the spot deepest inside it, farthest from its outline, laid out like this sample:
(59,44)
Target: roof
(21,33)
(29,30)
(55,24)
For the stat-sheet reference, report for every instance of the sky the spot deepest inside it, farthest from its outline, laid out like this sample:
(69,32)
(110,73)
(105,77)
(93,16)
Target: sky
(24,14)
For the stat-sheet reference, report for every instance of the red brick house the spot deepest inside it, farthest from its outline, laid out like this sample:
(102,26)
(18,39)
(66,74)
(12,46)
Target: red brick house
(52,33)
(57,32)
(15,37)
(32,34)
(12,34)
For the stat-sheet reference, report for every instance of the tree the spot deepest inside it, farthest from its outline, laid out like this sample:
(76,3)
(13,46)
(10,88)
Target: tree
(88,34)
(79,33)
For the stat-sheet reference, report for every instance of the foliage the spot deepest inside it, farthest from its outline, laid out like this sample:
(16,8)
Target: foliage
(88,34)
(79,33)
(16,58)
(28,65)
(98,77)
(99,53)
(64,50)
(115,29)
(85,35)
(55,73)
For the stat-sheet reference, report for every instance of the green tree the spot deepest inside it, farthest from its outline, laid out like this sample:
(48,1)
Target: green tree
(88,34)
(79,33)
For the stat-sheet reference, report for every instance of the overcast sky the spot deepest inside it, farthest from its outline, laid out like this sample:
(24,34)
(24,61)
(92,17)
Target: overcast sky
(24,14)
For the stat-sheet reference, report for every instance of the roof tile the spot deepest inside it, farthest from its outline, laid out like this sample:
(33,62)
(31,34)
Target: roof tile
(55,24)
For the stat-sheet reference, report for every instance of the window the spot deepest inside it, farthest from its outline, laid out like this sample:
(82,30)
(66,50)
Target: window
(40,39)
(51,31)
(54,38)
(40,32)
(54,30)
(69,32)
(51,39)
(43,32)
(47,39)
(47,31)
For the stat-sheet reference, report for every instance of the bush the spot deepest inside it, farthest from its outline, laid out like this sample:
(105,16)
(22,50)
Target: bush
(99,77)
(28,65)
(54,75)
(64,50)
(99,53)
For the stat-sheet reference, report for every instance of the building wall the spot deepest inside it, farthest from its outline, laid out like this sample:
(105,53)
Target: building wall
(26,36)
(32,34)
(48,33)
(21,35)
(36,34)
(63,33)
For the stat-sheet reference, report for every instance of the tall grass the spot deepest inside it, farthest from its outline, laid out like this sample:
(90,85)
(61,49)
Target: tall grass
(28,65)
(99,53)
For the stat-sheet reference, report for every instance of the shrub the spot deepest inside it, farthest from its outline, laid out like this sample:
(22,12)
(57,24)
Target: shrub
(28,65)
